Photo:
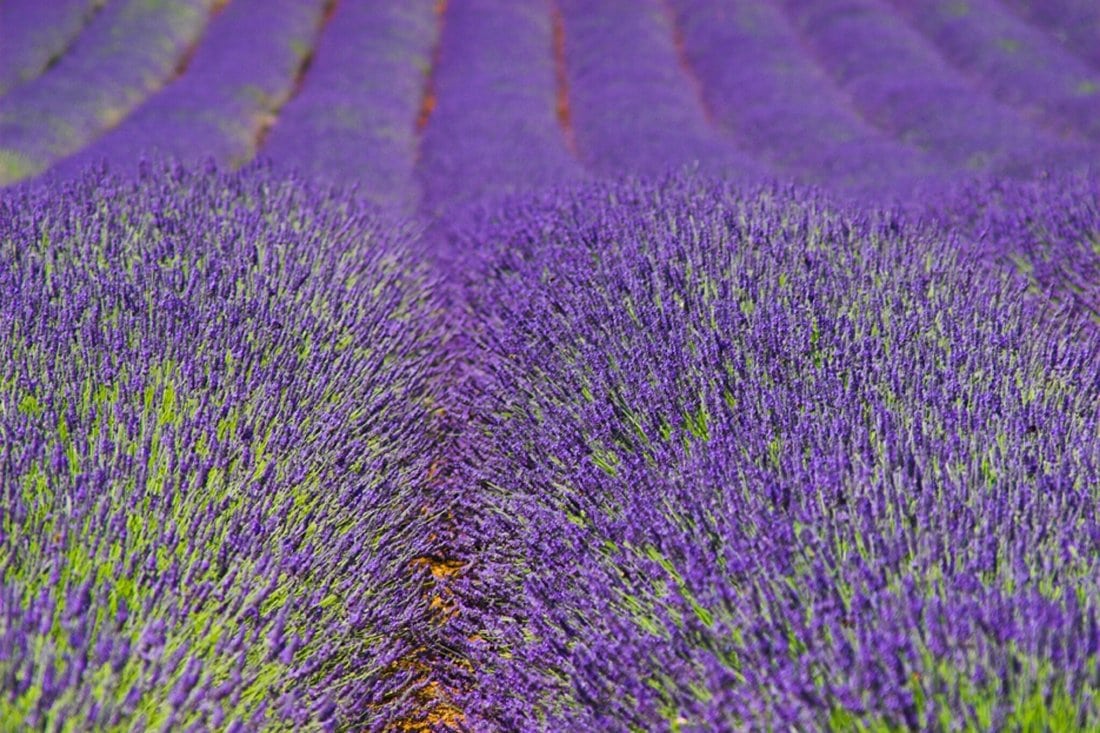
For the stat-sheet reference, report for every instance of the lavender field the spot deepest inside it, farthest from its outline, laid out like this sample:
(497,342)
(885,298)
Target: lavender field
(550,365)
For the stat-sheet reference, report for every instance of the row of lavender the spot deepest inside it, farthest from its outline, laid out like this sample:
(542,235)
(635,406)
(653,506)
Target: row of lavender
(216,401)
(711,459)
(756,462)
(124,52)
(433,103)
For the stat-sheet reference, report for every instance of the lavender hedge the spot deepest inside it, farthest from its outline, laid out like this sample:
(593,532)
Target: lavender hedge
(765,463)
(354,120)
(241,75)
(761,84)
(215,408)
(37,34)
(904,87)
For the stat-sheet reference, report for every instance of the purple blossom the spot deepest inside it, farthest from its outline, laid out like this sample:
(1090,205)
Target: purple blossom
(279,339)
(777,464)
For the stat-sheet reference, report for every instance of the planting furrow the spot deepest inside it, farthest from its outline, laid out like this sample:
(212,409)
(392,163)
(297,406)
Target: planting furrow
(125,54)
(354,120)
(215,403)
(632,104)
(903,87)
(756,77)
(1074,23)
(34,35)
(1019,64)
(239,78)
(765,464)
(493,126)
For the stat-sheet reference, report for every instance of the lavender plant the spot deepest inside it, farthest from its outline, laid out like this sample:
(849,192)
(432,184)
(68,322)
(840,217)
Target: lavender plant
(1046,230)
(767,464)
(215,402)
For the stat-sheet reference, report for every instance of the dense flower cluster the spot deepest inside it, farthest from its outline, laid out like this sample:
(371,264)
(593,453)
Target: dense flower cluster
(215,397)
(1047,230)
(769,463)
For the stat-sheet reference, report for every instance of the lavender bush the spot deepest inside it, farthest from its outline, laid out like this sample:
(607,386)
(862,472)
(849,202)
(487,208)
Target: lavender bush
(1046,230)
(215,406)
(775,465)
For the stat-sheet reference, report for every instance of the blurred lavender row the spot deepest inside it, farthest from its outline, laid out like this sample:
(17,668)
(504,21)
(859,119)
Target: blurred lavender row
(493,126)
(765,88)
(904,87)
(242,73)
(127,52)
(35,34)
(634,105)
(353,121)
(1017,63)
(429,105)
(1074,23)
